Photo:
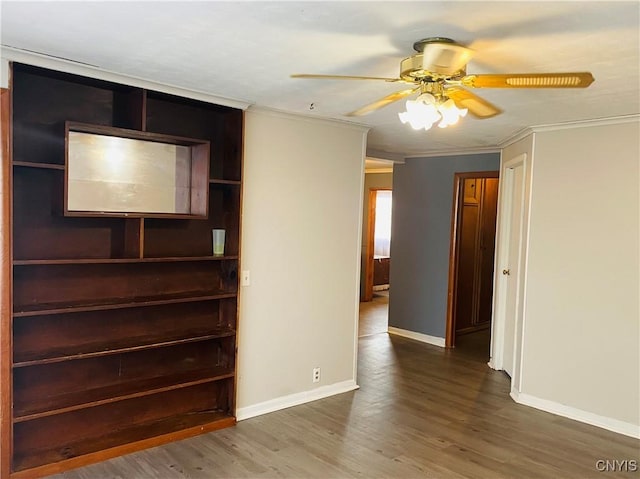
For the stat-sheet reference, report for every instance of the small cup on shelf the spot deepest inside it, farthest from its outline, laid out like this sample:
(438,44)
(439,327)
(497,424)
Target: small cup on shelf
(218,242)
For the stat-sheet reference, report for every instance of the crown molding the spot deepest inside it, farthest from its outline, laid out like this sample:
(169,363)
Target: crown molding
(519,135)
(11,54)
(378,170)
(381,158)
(274,112)
(613,120)
(524,132)
(385,156)
(458,152)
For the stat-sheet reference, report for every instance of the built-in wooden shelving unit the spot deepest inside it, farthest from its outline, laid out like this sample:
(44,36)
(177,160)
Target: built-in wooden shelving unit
(123,325)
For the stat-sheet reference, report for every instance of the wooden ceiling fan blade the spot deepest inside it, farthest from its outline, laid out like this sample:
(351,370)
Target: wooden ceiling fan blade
(530,80)
(382,102)
(343,77)
(477,106)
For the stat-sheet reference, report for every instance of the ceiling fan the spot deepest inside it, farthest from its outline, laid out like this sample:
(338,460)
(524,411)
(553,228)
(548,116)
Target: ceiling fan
(438,72)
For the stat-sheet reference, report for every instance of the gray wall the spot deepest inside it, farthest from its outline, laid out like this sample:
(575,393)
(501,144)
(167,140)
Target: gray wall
(421,229)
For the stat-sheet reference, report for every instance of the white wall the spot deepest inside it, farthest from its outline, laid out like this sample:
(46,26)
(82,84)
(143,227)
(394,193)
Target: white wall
(301,229)
(581,343)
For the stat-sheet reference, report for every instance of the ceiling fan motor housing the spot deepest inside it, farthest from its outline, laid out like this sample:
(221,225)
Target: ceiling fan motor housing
(437,58)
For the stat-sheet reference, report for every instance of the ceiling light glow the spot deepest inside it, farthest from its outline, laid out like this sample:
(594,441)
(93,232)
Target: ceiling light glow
(426,110)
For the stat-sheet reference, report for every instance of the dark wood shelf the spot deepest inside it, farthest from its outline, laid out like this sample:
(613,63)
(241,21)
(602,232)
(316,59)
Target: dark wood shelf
(126,349)
(215,181)
(117,303)
(49,406)
(152,341)
(33,164)
(180,424)
(173,259)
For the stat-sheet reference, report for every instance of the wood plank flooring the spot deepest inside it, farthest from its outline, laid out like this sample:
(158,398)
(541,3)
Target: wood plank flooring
(374,315)
(421,412)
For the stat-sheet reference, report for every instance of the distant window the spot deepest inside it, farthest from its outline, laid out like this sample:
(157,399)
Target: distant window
(382,236)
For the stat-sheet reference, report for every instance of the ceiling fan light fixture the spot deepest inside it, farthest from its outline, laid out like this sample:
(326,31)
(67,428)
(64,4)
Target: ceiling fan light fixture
(450,113)
(423,112)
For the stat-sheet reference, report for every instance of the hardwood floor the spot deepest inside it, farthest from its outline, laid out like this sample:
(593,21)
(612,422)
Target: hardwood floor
(421,412)
(374,315)
(476,345)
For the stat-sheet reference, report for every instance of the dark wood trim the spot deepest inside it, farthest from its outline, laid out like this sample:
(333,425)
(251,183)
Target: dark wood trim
(132,134)
(134,238)
(233,401)
(453,252)
(5,283)
(458,180)
(367,294)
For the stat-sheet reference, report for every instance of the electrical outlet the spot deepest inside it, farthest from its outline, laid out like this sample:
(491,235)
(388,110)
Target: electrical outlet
(246,277)
(316,375)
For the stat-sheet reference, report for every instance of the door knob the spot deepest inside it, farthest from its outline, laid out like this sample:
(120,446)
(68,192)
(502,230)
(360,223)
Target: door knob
(506,272)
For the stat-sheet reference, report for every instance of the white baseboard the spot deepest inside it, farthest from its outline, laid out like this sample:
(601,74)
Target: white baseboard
(553,407)
(295,399)
(423,338)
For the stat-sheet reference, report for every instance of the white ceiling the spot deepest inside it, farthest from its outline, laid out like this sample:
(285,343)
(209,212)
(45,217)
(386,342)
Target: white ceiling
(247,50)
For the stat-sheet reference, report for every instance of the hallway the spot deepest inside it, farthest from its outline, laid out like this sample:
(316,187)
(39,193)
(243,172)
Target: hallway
(374,319)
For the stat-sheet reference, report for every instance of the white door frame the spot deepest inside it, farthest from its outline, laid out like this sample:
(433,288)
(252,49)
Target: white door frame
(498,339)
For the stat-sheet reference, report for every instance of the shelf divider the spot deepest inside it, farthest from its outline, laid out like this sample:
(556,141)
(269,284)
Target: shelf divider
(153,342)
(45,166)
(218,181)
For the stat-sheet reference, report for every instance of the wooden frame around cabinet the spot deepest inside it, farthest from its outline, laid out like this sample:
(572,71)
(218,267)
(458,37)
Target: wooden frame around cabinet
(197,200)
(5,283)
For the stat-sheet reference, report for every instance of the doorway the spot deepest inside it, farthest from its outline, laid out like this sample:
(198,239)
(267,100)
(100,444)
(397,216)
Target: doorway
(471,262)
(378,245)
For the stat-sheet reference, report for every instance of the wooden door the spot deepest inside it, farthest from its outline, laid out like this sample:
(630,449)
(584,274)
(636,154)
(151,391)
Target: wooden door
(472,260)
